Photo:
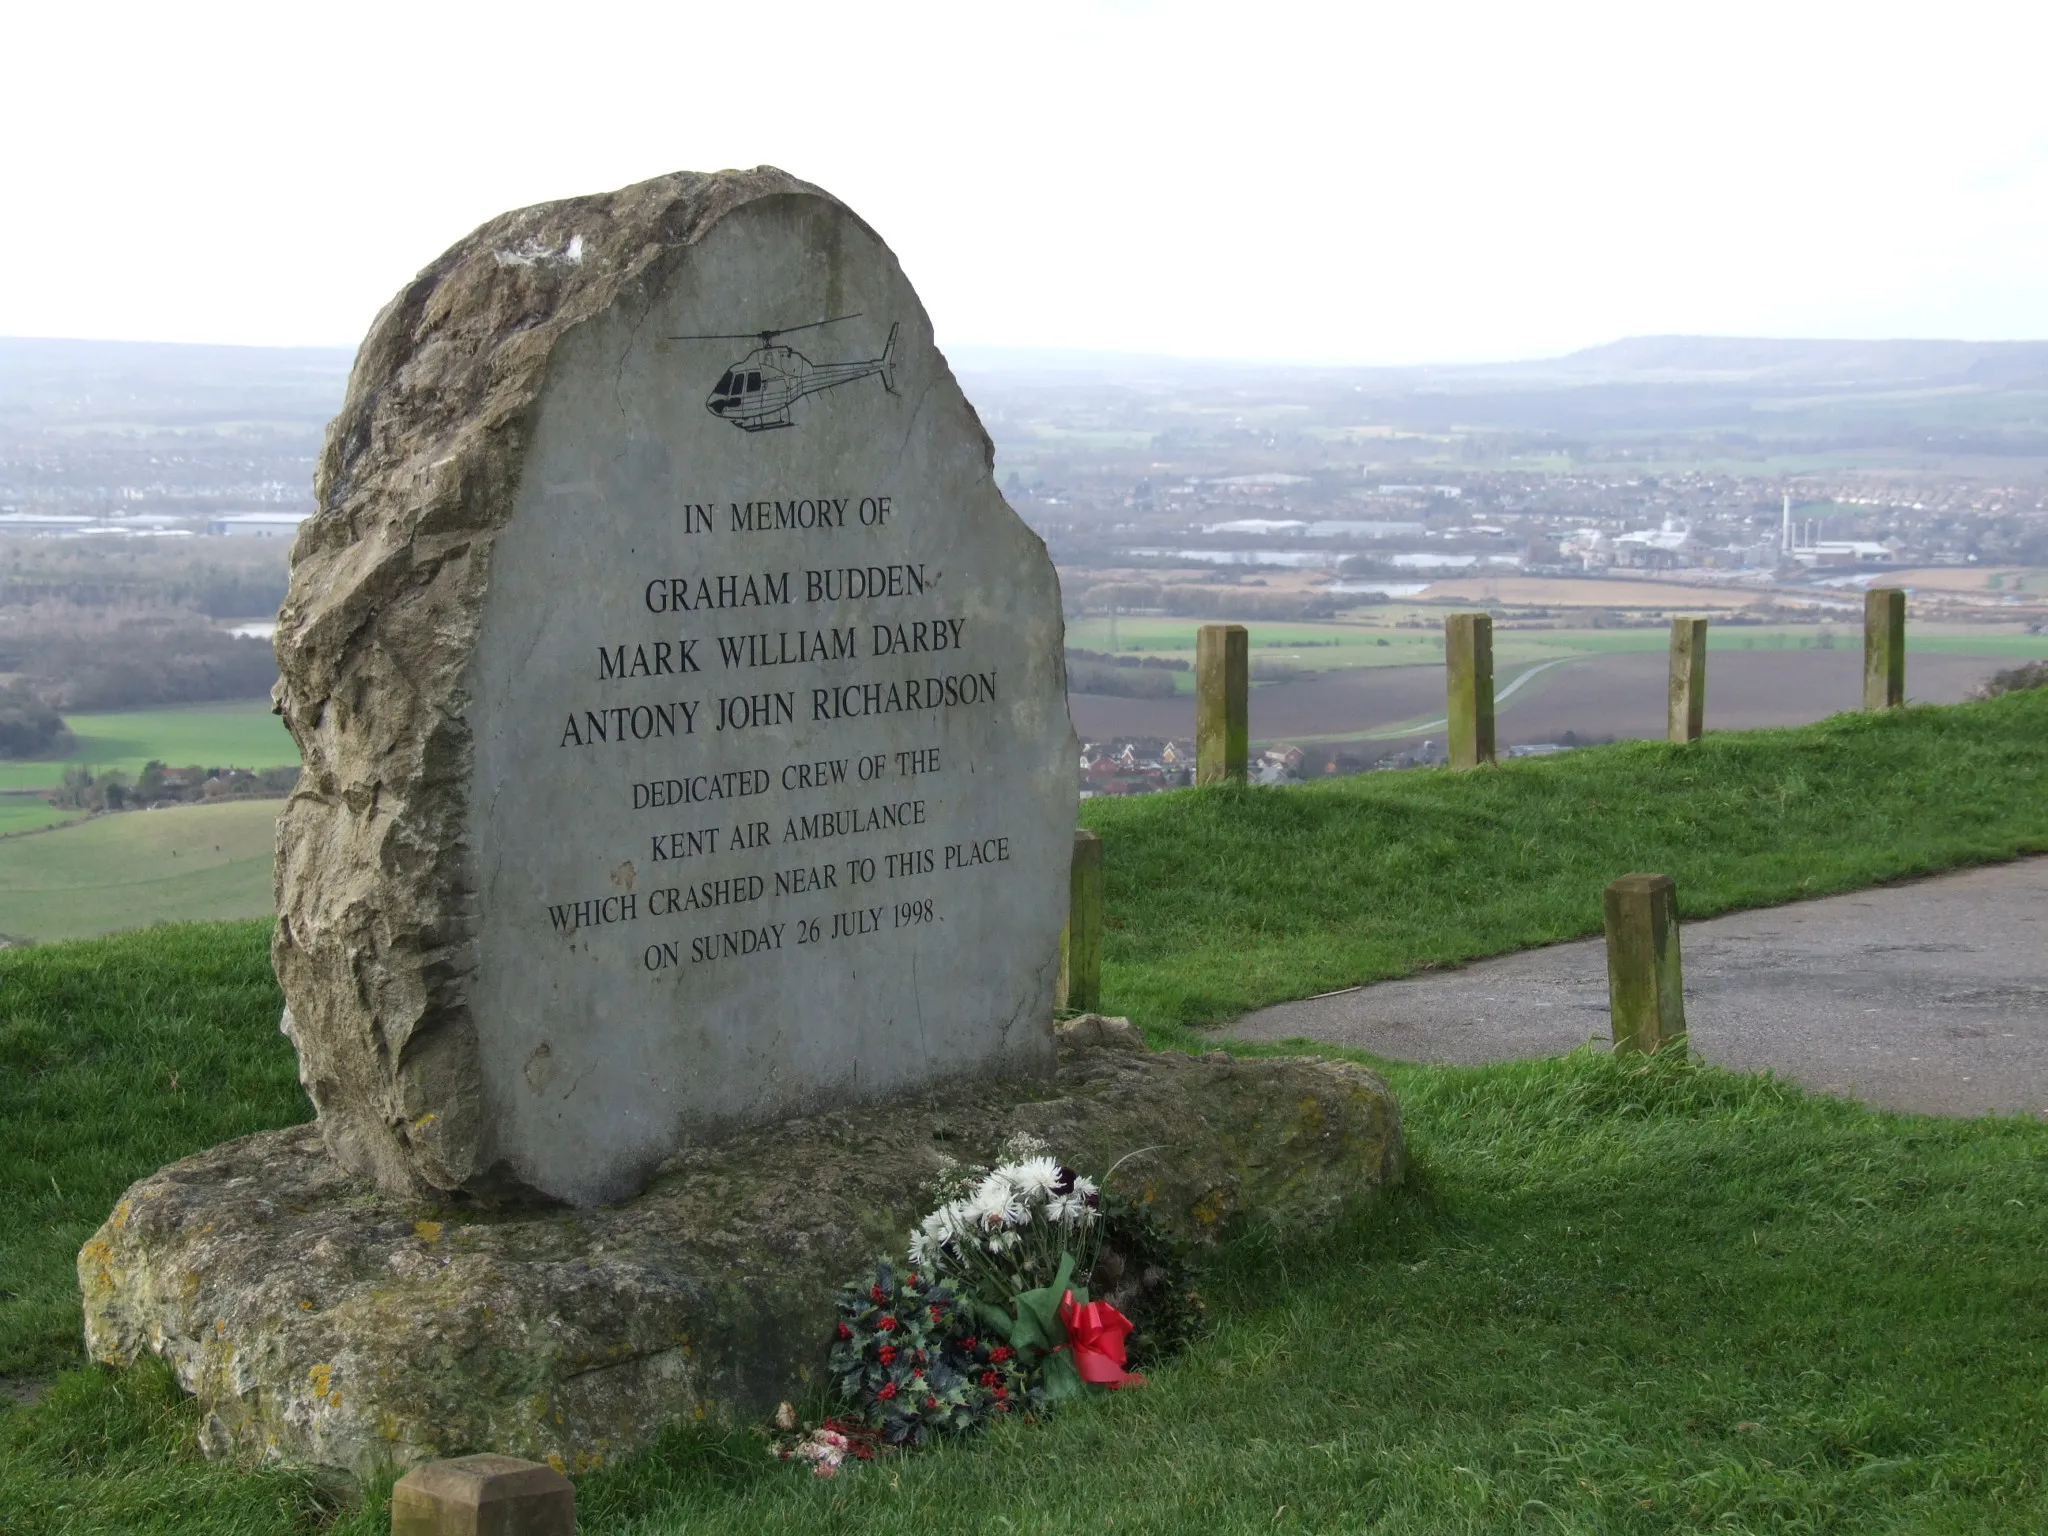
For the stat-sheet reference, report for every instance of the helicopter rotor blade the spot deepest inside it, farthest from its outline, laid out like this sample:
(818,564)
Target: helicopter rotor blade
(765,336)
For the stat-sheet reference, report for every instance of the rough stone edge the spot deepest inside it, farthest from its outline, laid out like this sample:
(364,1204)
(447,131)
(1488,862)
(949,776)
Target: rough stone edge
(417,474)
(137,1303)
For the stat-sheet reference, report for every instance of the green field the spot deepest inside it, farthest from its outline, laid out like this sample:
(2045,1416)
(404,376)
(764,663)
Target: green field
(31,813)
(1329,647)
(182,864)
(1615,1296)
(238,735)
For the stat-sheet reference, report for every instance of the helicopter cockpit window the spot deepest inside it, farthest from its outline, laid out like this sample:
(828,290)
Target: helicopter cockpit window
(724,385)
(753,383)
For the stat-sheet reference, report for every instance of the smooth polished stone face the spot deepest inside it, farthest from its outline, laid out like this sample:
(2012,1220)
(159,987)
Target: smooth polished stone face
(772,794)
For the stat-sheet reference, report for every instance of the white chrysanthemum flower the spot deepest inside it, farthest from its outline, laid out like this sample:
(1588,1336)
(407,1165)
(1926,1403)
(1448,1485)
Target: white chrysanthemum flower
(1084,1186)
(1066,1208)
(997,1204)
(1035,1178)
(925,1250)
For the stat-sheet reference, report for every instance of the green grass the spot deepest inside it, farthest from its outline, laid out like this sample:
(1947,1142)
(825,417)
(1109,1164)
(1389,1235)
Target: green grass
(31,813)
(181,864)
(117,1056)
(1333,647)
(244,734)
(1220,901)
(1614,1297)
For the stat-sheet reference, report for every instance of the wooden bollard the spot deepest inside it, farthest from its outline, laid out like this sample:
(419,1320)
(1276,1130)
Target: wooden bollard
(1645,984)
(483,1496)
(1884,648)
(1081,939)
(1222,706)
(1468,671)
(1688,679)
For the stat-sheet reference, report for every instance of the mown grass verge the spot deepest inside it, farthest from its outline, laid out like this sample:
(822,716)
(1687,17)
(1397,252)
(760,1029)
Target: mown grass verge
(1219,901)
(1614,1297)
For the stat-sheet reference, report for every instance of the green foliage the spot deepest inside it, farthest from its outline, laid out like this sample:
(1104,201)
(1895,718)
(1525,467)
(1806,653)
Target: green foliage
(2033,674)
(1149,1275)
(84,790)
(1221,900)
(910,1359)
(28,726)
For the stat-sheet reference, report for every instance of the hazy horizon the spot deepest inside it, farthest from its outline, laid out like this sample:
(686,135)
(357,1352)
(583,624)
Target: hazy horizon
(1303,183)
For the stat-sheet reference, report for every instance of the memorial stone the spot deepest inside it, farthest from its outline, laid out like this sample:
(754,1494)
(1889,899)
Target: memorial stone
(689,792)
(682,707)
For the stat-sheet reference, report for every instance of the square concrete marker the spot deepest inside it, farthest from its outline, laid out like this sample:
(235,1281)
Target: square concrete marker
(1688,711)
(1884,648)
(681,704)
(1468,669)
(483,1496)
(1222,703)
(1645,984)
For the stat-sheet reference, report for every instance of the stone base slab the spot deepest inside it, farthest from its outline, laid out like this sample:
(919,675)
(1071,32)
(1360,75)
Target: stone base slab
(318,1321)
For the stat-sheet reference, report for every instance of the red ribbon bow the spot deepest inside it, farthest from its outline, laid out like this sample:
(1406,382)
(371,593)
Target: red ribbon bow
(1096,1335)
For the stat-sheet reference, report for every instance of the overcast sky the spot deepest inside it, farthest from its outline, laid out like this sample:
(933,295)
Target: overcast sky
(1355,182)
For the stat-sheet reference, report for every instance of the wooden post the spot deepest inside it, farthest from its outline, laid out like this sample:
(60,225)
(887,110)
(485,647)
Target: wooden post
(1081,939)
(1222,709)
(483,1496)
(1884,648)
(1688,679)
(1645,985)
(1468,668)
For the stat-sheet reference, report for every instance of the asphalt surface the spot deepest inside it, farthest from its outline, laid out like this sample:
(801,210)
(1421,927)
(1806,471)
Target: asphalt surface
(1930,996)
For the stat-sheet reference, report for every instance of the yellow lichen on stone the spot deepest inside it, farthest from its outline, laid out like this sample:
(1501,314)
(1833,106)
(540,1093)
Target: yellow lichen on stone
(555,1461)
(427,1231)
(121,1214)
(322,1377)
(1211,1207)
(96,1266)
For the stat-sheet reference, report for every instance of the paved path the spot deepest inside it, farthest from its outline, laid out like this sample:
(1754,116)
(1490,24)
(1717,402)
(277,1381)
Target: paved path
(1931,996)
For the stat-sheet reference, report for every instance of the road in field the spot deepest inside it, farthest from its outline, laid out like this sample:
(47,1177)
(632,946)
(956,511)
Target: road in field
(1930,997)
(1619,694)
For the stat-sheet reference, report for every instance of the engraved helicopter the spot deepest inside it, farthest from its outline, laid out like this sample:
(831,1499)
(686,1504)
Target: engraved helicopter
(755,394)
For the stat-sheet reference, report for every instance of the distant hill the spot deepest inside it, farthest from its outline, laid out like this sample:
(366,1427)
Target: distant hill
(1734,359)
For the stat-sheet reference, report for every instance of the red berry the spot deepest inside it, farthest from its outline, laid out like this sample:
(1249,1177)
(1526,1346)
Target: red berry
(888,1391)
(887,1323)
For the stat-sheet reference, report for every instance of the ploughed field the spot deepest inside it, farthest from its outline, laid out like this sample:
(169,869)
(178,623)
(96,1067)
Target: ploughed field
(1615,1295)
(1596,696)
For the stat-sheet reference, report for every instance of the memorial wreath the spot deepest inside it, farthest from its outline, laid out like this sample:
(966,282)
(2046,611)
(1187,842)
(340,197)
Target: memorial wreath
(992,1314)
